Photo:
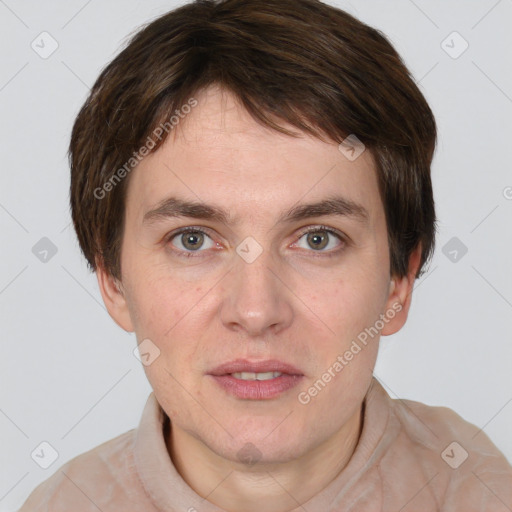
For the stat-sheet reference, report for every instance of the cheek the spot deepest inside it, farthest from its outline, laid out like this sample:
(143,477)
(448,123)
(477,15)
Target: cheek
(173,315)
(351,302)
(156,305)
(352,298)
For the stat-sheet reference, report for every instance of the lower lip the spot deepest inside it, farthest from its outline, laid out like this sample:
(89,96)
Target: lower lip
(257,389)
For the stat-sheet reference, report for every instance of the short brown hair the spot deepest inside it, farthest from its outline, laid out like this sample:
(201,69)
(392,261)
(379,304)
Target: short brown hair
(300,61)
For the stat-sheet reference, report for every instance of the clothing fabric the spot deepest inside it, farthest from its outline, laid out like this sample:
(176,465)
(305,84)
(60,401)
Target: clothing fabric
(410,457)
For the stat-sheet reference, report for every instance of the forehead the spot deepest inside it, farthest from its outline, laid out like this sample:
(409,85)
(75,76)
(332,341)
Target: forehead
(220,155)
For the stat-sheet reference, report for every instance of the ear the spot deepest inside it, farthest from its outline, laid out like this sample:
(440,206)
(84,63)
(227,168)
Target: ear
(114,298)
(400,295)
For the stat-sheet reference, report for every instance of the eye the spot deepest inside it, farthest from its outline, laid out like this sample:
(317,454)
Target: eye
(320,238)
(190,240)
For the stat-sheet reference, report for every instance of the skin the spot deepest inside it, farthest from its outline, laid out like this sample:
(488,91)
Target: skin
(293,303)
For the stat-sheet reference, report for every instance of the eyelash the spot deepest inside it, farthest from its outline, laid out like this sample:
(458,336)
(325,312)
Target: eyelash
(312,229)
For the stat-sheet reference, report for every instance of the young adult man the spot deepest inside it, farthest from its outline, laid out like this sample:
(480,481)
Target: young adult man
(251,184)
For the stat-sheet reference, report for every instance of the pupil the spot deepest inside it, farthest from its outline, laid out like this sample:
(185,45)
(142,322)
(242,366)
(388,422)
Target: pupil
(318,239)
(194,240)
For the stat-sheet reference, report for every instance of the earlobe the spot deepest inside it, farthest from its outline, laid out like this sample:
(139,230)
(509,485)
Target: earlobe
(114,298)
(400,295)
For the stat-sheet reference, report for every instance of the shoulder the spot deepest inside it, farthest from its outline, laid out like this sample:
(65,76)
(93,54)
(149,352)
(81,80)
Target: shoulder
(465,465)
(99,477)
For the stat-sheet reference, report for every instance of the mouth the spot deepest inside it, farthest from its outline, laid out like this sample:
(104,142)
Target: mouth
(257,380)
(242,366)
(256,376)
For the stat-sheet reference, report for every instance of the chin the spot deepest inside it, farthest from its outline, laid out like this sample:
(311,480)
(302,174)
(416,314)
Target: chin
(265,445)
(260,452)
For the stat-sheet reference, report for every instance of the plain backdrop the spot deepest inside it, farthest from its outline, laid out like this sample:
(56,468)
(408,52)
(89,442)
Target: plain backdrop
(68,373)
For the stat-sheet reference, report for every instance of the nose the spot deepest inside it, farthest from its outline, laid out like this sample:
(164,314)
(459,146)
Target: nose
(256,300)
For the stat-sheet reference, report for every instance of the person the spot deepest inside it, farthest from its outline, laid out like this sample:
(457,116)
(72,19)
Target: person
(250,181)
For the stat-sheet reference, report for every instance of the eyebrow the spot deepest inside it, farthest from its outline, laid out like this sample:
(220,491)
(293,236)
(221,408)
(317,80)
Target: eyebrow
(172,207)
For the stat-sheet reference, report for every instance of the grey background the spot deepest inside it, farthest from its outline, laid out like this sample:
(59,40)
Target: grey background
(68,373)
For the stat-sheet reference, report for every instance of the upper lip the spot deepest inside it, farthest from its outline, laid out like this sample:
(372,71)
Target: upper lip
(243,365)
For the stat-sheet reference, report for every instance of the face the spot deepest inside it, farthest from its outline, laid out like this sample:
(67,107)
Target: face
(269,286)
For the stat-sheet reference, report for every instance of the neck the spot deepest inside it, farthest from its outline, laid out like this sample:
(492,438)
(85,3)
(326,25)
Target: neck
(273,487)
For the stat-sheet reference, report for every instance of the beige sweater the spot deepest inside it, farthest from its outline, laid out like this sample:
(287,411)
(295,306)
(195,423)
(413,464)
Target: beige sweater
(410,458)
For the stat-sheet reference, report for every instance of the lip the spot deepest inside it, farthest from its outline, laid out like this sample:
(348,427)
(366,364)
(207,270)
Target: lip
(256,389)
(243,365)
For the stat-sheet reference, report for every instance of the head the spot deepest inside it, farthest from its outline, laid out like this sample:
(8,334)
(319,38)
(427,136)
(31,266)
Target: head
(226,118)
